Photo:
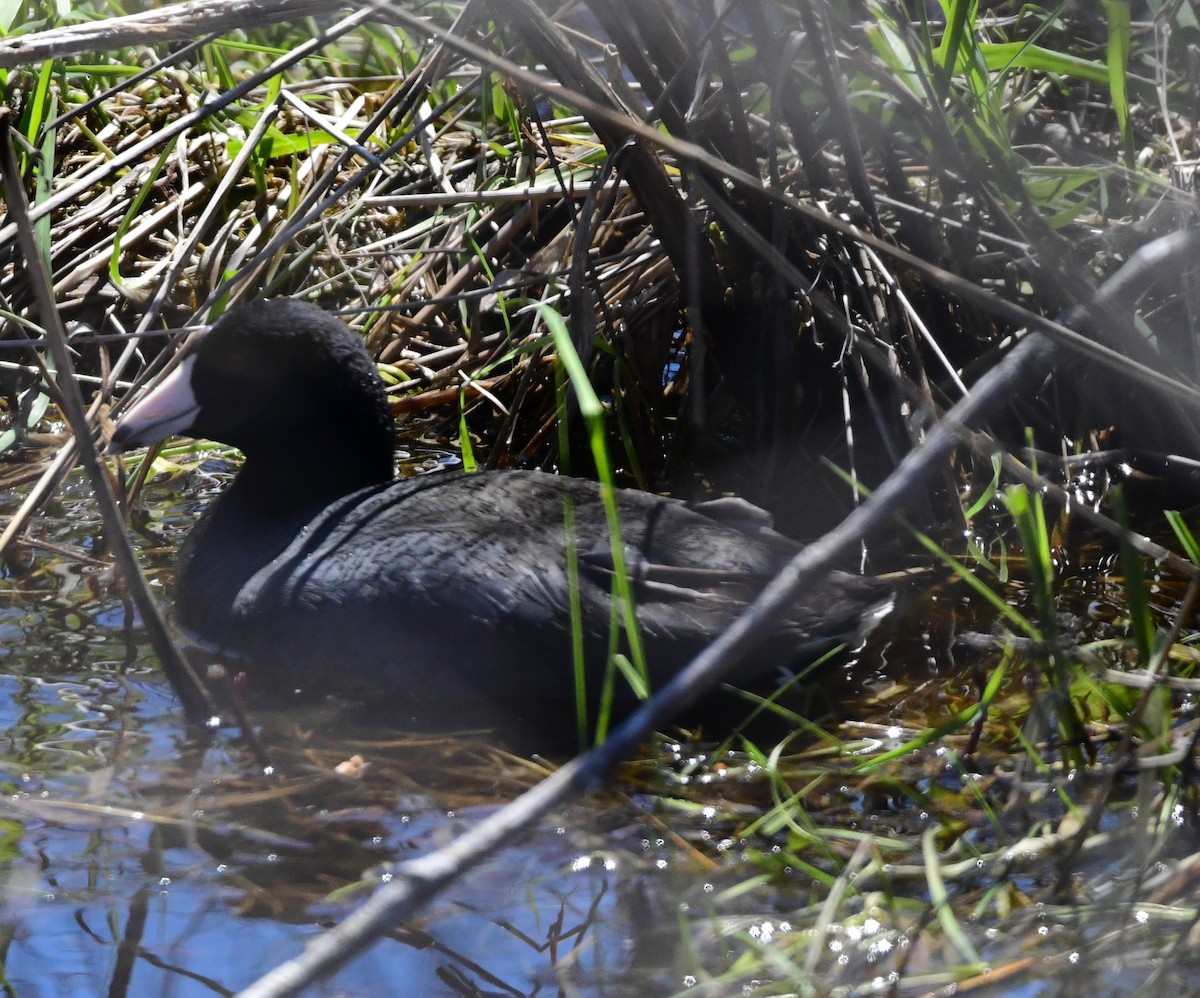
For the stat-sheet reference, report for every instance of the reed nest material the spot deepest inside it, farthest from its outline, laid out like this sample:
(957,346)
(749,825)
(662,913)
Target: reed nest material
(429,179)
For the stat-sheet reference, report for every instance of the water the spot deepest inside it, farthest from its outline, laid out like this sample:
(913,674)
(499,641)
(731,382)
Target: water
(139,860)
(140,857)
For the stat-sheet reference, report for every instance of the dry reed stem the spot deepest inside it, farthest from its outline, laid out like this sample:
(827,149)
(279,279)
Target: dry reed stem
(191,689)
(417,881)
(178,22)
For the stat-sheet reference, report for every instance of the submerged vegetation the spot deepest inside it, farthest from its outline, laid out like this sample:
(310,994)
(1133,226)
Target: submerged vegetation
(757,247)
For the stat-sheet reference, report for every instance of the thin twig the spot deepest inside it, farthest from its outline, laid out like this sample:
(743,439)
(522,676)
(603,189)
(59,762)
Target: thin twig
(175,22)
(417,881)
(195,697)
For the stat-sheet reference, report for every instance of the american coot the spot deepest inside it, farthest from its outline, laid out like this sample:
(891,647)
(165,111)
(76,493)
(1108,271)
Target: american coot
(322,572)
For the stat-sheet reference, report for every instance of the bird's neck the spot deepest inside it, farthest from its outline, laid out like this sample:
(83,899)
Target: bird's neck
(250,524)
(272,490)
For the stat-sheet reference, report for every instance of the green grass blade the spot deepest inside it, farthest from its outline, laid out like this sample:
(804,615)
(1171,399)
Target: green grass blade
(1029,515)
(989,493)
(1186,538)
(1019,55)
(1141,622)
(1117,59)
(43,188)
(575,600)
(958,13)
(39,108)
(578,665)
(470,465)
(135,207)
(940,899)
(593,415)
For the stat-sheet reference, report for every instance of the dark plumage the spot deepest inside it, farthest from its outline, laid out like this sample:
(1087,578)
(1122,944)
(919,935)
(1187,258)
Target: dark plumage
(323,572)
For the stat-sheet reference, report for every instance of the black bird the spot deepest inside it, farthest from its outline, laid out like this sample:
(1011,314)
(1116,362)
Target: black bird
(324,573)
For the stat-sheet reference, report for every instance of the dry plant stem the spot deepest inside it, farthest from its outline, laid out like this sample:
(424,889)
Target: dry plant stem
(314,204)
(824,48)
(215,205)
(62,463)
(176,22)
(532,195)
(460,280)
(419,880)
(671,217)
(23,475)
(310,208)
(191,691)
(148,225)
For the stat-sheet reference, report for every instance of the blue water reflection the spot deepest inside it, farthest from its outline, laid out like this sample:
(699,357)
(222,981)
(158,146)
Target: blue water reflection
(136,859)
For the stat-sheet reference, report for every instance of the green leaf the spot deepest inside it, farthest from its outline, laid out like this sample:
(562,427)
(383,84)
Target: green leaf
(1018,55)
(9,9)
(593,416)
(1186,538)
(1117,57)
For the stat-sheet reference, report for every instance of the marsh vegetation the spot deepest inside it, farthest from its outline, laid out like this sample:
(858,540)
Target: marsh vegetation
(759,247)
